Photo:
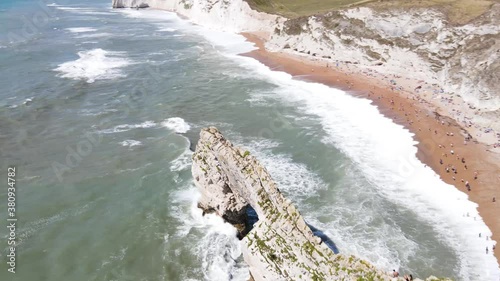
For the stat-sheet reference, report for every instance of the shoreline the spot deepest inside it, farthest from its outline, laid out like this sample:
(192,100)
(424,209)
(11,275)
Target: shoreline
(436,133)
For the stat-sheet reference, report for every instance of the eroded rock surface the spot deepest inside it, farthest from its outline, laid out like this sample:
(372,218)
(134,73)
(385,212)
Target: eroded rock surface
(280,246)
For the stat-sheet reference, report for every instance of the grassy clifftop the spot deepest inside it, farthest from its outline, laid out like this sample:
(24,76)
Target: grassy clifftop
(458,11)
(294,8)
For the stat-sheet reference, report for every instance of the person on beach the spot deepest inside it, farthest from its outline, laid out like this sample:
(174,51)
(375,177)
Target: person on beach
(486,249)
(395,273)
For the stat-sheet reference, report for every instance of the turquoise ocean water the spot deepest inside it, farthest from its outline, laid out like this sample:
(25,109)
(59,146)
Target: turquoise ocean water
(99,108)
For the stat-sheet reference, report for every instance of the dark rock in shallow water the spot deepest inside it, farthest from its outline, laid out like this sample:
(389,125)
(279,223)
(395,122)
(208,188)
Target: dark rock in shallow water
(324,238)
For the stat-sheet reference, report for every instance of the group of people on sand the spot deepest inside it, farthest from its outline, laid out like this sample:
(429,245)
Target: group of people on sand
(492,247)
(407,277)
(451,168)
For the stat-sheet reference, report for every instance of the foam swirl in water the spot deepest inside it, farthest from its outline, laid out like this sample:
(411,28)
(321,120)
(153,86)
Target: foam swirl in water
(80,29)
(95,64)
(176,124)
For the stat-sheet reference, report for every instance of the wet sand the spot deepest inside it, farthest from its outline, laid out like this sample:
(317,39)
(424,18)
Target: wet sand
(437,135)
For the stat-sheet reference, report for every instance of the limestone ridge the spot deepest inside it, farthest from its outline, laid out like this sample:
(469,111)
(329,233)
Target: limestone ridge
(280,246)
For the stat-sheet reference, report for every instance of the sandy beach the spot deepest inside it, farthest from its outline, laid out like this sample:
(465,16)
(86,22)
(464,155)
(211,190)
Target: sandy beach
(463,159)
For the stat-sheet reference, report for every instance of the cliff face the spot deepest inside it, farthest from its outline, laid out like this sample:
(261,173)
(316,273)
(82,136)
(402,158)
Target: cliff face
(280,246)
(418,43)
(225,15)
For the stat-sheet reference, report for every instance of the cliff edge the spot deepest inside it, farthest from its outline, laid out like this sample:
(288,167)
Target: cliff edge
(420,45)
(280,246)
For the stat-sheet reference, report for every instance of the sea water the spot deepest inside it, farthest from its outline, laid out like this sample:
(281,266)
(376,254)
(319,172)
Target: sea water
(99,109)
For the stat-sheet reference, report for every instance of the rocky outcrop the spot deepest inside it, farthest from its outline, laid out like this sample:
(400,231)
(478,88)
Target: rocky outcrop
(141,4)
(280,246)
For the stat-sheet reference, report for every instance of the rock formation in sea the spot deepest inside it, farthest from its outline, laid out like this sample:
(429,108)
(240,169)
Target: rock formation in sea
(280,246)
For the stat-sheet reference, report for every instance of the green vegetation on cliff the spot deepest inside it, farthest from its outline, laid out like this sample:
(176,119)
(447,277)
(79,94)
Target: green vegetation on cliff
(457,11)
(294,8)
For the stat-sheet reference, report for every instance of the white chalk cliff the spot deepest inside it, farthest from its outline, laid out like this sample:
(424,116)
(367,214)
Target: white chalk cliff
(417,43)
(231,16)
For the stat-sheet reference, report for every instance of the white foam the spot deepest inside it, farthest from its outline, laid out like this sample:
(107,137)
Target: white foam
(167,29)
(28,101)
(95,35)
(176,124)
(386,154)
(80,29)
(81,10)
(128,127)
(157,16)
(64,8)
(226,41)
(218,249)
(293,178)
(183,162)
(130,143)
(95,64)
